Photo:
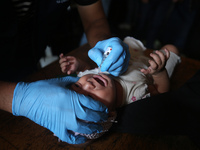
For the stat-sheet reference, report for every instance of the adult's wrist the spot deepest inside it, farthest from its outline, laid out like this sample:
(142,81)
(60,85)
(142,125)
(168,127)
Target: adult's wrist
(6,95)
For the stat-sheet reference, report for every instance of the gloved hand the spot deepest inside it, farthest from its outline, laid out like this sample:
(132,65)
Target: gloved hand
(52,105)
(117,61)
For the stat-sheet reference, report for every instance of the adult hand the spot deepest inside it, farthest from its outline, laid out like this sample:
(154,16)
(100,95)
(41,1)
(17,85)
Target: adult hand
(117,61)
(52,105)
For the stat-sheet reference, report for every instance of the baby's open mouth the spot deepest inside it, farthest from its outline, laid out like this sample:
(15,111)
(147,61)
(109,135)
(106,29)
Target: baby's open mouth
(100,80)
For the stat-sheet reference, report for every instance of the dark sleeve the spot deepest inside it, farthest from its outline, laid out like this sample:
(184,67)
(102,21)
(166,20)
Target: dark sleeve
(85,2)
(175,113)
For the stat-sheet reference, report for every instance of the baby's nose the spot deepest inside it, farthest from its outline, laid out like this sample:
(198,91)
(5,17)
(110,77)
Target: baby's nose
(88,85)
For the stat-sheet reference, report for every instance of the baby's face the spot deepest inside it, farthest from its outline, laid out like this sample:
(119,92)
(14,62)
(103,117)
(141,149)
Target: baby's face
(99,87)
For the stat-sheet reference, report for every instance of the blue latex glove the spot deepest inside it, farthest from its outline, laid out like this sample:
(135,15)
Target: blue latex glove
(117,61)
(52,105)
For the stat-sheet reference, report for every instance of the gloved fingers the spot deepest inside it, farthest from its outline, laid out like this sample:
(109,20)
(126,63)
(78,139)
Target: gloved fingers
(127,55)
(67,80)
(116,72)
(114,55)
(86,127)
(116,65)
(120,70)
(73,139)
(125,66)
(92,115)
(91,104)
(119,67)
(96,55)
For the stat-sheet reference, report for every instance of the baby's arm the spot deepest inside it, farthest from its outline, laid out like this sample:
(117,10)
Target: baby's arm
(158,71)
(71,64)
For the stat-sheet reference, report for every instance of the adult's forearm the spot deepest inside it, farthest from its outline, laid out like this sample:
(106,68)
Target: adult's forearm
(98,32)
(94,22)
(6,95)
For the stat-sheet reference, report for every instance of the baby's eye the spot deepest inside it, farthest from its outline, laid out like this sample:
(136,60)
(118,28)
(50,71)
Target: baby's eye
(77,85)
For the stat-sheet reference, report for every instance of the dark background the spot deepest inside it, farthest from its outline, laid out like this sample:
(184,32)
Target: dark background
(22,41)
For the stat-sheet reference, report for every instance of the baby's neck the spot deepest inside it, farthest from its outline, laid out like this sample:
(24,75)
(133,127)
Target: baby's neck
(119,94)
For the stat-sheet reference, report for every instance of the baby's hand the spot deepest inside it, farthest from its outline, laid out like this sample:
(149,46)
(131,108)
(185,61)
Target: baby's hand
(158,62)
(68,64)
